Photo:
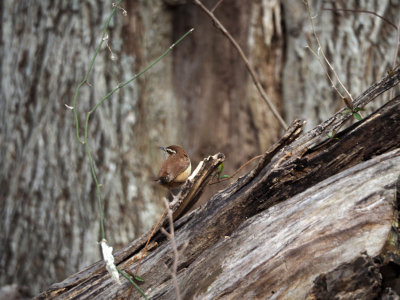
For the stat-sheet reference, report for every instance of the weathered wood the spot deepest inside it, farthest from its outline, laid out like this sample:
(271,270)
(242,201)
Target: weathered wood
(47,195)
(279,252)
(305,209)
(194,186)
(359,279)
(180,203)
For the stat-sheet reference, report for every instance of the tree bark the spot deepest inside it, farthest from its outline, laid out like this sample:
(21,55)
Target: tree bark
(312,209)
(48,204)
(47,196)
(360,46)
(49,224)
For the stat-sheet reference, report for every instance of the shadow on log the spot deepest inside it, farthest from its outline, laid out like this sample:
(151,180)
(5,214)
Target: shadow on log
(317,218)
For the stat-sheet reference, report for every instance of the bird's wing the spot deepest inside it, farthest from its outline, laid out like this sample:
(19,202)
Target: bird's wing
(168,169)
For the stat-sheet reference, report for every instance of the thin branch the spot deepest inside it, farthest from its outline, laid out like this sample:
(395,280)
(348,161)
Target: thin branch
(326,72)
(98,191)
(216,5)
(171,237)
(322,51)
(85,142)
(155,228)
(264,96)
(397,48)
(396,52)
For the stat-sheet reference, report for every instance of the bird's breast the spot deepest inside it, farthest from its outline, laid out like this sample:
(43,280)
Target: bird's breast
(184,175)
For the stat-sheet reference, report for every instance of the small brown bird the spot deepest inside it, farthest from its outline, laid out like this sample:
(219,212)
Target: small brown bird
(175,169)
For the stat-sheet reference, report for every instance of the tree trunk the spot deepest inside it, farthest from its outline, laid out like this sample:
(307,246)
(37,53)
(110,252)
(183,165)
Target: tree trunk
(47,196)
(50,225)
(199,96)
(317,218)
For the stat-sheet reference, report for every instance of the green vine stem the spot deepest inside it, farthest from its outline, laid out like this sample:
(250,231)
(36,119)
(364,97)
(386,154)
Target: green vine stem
(85,141)
(101,102)
(90,69)
(140,73)
(131,280)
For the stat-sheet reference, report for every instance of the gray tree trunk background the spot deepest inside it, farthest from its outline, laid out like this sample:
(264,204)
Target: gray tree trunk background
(199,96)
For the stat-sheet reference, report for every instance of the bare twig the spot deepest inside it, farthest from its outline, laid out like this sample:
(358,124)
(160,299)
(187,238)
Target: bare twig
(155,228)
(257,83)
(323,53)
(396,55)
(326,72)
(216,5)
(171,237)
(397,48)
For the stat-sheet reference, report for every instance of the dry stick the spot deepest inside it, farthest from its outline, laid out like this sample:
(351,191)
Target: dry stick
(398,46)
(216,5)
(171,237)
(246,61)
(395,55)
(322,51)
(149,238)
(326,72)
(131,288)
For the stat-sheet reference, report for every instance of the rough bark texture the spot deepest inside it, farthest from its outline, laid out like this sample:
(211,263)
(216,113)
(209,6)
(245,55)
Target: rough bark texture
(278,252)
(49,224)
(305,214)
(200,96)
(360,46)
(216,82)
(47,194)
(358,279)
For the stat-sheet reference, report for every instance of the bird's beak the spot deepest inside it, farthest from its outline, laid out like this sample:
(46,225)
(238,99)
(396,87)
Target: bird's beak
(165,152)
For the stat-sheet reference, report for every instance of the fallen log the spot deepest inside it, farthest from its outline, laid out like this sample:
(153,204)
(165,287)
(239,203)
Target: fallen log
(312,207)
